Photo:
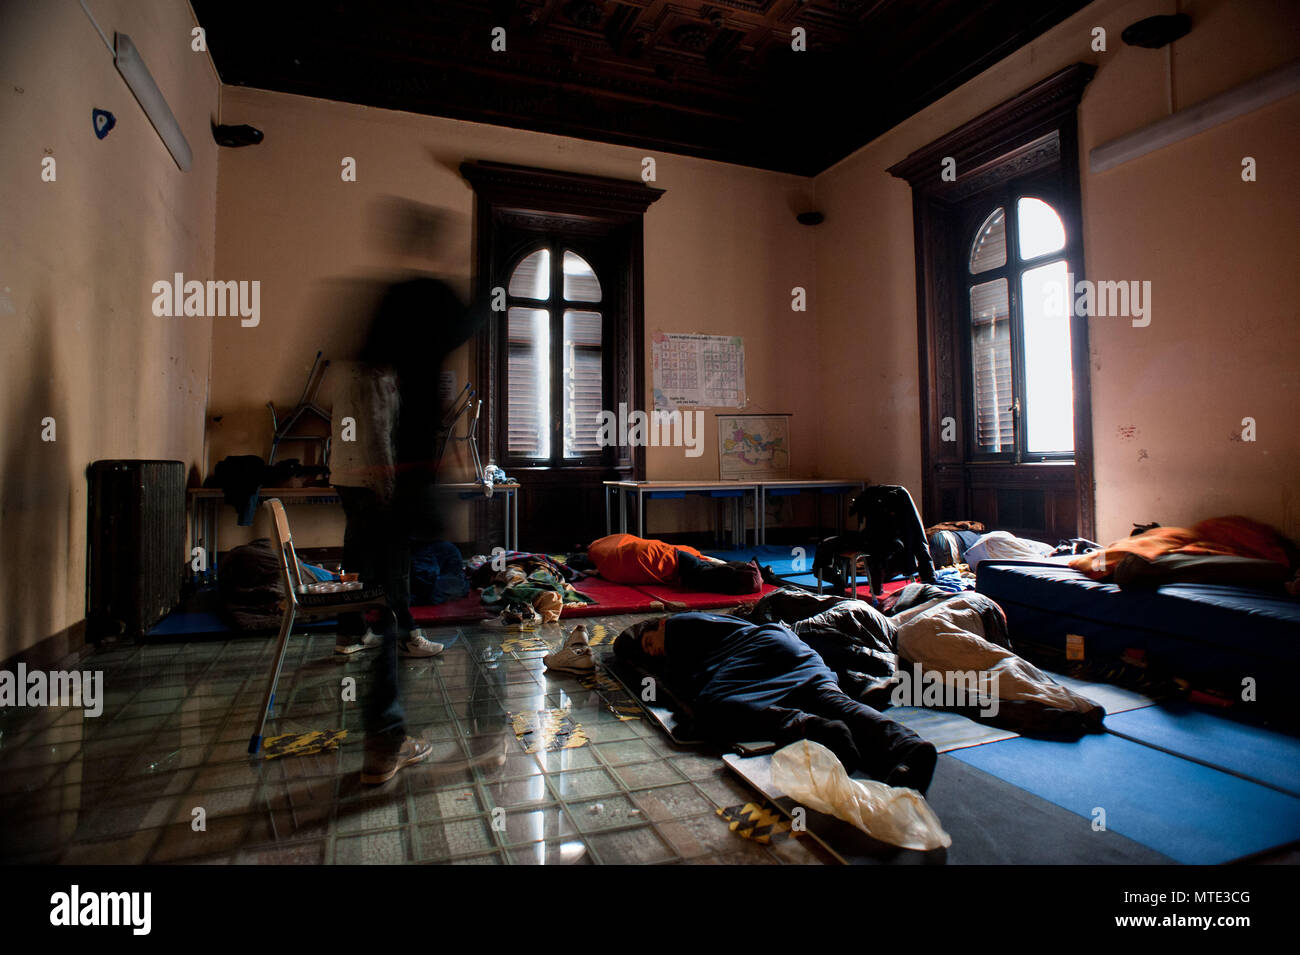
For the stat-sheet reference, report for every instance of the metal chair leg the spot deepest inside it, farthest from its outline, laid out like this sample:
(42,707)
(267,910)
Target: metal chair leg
(255,741)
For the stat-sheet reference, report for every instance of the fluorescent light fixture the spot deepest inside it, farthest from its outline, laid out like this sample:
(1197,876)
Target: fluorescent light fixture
(131,66)
(1196,119)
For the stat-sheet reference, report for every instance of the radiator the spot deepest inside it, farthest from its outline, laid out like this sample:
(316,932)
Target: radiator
(135,545)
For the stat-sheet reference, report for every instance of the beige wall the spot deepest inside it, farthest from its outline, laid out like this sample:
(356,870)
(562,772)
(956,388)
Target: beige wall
(77,259)
(722,252)
(1220,254)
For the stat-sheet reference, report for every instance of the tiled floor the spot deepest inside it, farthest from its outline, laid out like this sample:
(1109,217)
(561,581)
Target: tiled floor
(129,786)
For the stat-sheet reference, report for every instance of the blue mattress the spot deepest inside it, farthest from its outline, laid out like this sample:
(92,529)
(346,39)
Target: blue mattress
(1230,631)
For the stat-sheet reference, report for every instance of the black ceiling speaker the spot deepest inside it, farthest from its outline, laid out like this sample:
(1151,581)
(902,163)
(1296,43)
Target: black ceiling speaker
(243,135)
(810,218)
(1155,32)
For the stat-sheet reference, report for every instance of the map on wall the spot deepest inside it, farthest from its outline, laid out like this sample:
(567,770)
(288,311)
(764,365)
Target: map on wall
(698,370)
(753,446)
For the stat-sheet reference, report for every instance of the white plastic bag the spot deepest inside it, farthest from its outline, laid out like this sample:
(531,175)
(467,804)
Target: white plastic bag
(810,774)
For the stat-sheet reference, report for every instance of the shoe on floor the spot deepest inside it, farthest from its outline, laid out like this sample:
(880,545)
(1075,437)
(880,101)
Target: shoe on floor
(382,763)
(370,641)
(417,644)
(575,656)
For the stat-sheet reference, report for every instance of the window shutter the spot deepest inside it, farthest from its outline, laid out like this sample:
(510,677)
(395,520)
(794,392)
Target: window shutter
(527,382)
(584,383)
(991,367)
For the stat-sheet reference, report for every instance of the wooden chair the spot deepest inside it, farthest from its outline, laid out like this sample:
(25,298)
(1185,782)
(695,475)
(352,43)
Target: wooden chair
(311,601)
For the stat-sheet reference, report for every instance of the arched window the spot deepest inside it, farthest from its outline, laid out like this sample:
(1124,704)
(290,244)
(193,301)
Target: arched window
(1022,396)
(554,357)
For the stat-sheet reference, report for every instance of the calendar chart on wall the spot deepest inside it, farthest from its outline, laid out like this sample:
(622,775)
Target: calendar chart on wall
(698,370)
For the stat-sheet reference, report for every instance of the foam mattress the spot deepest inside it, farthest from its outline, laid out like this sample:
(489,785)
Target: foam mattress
(1213,626)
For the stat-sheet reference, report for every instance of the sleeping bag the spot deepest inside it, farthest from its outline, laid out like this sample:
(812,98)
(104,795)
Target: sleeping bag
(948,634)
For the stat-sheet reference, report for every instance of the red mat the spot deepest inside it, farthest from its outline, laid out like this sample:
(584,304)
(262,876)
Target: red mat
(674,598)
(611,598)
(462,610)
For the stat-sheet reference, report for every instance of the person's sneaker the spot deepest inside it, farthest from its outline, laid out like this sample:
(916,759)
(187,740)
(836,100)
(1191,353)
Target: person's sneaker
(521,615)
(574,657)
(382,763)
(916,770)
(417,644)
(370,641)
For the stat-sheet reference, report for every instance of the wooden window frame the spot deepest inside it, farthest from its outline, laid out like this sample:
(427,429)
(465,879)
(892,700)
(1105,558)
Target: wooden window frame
(557,205)
(1034,132)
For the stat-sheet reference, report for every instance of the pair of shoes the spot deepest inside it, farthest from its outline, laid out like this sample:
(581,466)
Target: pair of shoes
(418,645)
(521,615)
(383,762)
(350,645)
(575,656)
(916,769)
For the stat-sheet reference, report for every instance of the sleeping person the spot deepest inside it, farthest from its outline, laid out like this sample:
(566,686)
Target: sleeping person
(937,640)
(747,681)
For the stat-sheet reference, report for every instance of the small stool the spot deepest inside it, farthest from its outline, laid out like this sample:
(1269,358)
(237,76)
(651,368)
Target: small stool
(849,562)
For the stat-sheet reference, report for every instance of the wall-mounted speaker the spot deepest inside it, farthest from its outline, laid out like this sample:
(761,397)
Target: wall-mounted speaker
(1155,32)
(242,135)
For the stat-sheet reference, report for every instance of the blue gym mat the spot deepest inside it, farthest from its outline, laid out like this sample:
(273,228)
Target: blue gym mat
(1252,752)
(203,622)
(1189,812)
(780,559)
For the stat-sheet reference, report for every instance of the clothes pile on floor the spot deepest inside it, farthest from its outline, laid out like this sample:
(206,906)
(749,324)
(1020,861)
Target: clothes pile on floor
(526,581)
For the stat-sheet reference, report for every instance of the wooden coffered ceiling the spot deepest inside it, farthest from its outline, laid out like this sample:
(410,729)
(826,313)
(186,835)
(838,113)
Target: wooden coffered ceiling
(716,79)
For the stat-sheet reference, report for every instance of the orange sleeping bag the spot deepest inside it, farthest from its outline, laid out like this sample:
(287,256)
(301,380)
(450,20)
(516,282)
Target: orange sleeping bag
(628,559)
